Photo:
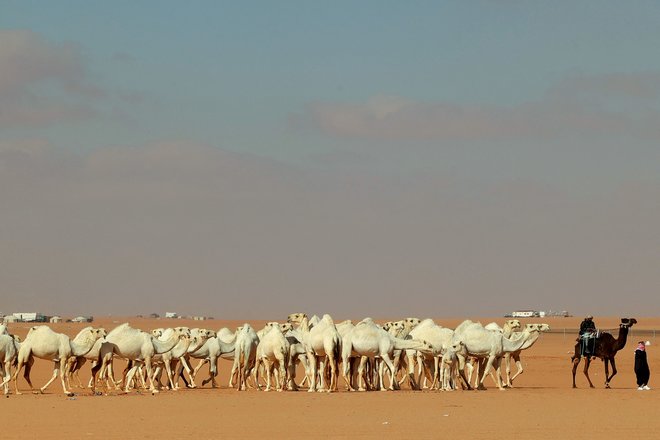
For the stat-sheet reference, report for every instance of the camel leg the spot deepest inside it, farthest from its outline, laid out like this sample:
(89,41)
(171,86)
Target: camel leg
(281,366)
(484,369)
(95,369)
(56,371)
(268,368)
(184,364)
(386,358)
(199,366)
(110,375)
(129,377)
(587,362)
(213,368)
(255,373)
(6,375)
(62,371)
(361,378)
(80,361)
(3,370)
(396,361)
(461,372)
(170,376)
(609,378)
(333,372)
(321,370)
(381,372)
(16,373)
(470,369)
(291,383)
(420,371)
(411,371)
(346,371)
(516,358)
(507,367)
(313,369)
(576,362)
(436,385)
(235,369)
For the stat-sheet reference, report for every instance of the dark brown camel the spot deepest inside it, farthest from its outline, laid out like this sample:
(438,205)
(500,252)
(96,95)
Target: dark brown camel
(606,348)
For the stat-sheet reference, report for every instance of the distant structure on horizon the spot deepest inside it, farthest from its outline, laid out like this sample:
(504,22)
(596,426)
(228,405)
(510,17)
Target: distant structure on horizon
(536,314)
(40,317)
(27,317)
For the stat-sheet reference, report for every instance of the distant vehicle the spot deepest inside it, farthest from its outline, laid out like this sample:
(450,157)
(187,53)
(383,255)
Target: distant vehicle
(83,319)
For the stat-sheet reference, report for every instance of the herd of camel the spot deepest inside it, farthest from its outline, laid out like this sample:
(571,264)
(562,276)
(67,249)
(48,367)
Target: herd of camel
(419,351)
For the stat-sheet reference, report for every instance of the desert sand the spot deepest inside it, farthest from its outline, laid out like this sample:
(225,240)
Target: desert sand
(542,404)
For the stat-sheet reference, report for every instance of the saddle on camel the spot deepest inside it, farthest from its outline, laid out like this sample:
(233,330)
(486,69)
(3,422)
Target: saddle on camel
(587,337)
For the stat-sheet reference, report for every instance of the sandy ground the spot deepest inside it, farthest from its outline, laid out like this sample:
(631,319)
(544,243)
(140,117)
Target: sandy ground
(542,405)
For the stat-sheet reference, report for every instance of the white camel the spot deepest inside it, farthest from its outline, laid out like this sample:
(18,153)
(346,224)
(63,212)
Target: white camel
(224,336)
(185,345)
(273,349)
(9,346)
(368,340)
(440,339)
(472,339)
(245,353)
(210,351)
(322,344)
(137,346)
(535,330)
(44,343)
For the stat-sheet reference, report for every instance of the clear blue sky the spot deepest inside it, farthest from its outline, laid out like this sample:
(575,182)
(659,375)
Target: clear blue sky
(500,149)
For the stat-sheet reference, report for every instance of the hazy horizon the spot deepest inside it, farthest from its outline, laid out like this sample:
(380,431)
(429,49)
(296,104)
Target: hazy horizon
(357,159)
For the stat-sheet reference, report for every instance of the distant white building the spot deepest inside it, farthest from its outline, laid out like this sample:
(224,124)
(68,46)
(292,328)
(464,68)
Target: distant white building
(55,319)
(171,315)
(29,317)
(524,314)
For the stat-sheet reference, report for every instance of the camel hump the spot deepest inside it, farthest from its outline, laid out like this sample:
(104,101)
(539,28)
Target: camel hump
(327,318)
(120,328)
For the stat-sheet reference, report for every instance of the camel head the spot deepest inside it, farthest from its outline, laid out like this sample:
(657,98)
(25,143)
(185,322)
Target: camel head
(271,325)
(296,318)
(157,332)
(100,333)
(202,333)
(544,327)
(196,342)
(427,347)
(286,327)
(387,325)
(395,327)
(628,322)
(411,322)
(457,347)
(182,332)
(207,333)
(513,323)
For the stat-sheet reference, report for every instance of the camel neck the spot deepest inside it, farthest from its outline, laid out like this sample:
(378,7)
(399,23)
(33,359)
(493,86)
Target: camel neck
(623,337)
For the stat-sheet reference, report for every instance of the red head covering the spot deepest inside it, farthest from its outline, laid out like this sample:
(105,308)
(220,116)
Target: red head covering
(641,346)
